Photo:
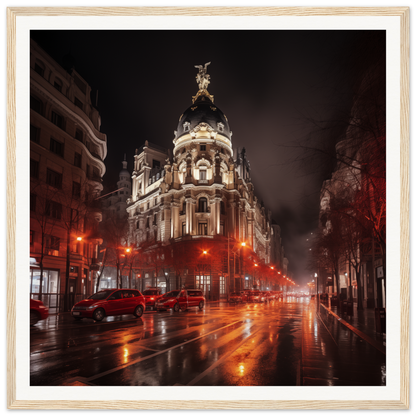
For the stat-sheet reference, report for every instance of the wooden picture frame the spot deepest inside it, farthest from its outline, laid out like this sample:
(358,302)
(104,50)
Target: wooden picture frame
(14,402)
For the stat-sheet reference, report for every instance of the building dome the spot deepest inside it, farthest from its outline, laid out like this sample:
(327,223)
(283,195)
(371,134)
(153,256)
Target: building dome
(203,110)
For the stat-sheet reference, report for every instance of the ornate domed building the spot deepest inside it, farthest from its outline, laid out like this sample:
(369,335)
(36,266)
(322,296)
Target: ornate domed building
(200,193)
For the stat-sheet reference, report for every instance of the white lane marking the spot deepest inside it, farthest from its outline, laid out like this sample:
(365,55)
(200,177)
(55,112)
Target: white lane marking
(157,353)
(218,362)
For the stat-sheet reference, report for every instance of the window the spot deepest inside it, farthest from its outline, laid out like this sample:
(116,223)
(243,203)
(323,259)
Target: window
(58,84)
(222,285)
(33,202)
(57,119)
(80,84)
(222,228)
(156,164)
(53,209)
(78,135)
(32,237)
(202,174)
(222,208)
(148,205)
(39,69)
(203,228)
(183,228)
(54,178)
(78,103)
(34,168)
(76,189)
(56,147)
(203,147)
(203,205)
(36,104)
(52,245)
(34,133)
(77,159)
(75,248)
(220,127)
(186,126)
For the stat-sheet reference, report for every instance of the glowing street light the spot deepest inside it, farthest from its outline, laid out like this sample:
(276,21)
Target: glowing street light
(79,238)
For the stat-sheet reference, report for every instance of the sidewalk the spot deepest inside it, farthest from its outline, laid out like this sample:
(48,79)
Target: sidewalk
(334,353)
(363,321)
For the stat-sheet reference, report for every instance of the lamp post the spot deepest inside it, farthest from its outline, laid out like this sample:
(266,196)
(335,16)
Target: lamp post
(317,288)
(348,285)
(68,266)
(243,244)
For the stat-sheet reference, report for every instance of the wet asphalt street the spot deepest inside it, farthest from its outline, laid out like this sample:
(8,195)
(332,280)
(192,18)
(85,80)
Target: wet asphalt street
(282,343)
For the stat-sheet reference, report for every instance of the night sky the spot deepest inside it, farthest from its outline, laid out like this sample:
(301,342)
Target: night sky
(283,92)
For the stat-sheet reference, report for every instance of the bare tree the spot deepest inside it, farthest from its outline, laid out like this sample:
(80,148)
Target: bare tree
(46,212)
(114,231)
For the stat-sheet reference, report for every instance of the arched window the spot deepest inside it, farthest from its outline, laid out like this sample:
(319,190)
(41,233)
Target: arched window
(222,208)
(202,205)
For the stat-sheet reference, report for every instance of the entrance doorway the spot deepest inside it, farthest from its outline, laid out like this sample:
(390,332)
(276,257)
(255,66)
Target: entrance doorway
(203,282)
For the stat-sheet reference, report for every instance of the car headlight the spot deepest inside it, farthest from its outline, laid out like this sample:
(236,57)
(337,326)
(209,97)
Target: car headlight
(42,307)
(91,307)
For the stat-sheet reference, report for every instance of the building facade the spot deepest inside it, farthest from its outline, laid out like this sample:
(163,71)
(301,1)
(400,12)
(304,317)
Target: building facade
(67,152)
(201,192)
(356,192)
(115,204)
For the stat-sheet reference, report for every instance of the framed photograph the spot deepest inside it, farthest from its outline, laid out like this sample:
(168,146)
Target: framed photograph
(175,263)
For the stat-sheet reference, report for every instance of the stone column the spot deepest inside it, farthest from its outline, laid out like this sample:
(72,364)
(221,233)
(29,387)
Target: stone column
(189,215)
(217,223)
(175,219)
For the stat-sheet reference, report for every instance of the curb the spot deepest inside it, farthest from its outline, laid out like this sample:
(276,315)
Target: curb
(356,331)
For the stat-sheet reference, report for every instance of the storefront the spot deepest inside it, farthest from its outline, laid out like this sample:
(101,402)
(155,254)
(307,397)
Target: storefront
(50,287)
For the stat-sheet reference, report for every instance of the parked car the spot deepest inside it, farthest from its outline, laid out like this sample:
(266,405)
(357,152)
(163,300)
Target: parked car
(254,296)
(110,302)
(236,297)
(151,295)
(266,296)
(244,296)
(181,299)
(38,311)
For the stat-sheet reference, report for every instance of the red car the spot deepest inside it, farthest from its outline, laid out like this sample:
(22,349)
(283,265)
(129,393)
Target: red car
(151,295)
(254,296)
(110,302)
(181,299)
(235,297)
(38,311)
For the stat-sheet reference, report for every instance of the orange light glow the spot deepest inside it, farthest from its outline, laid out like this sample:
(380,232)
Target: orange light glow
(278,272)
(79,238)
(205,252)
(128,250)
(272,267)
(256,264)
(243,244)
